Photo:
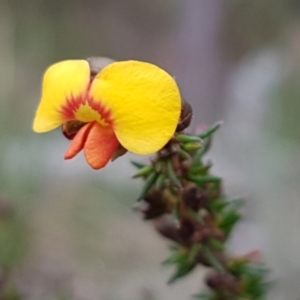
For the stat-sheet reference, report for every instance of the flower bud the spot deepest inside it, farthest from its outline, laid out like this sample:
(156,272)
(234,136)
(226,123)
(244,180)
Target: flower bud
(97,64)
(185,116)
(223,282)
(167,227)
(195,198)
(186,231)
(157,205)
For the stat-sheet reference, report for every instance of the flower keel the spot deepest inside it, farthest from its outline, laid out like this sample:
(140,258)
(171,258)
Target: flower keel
(100,146)
(98,142)
(78,142)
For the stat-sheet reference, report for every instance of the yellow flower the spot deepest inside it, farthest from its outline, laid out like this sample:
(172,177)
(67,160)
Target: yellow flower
(129,103)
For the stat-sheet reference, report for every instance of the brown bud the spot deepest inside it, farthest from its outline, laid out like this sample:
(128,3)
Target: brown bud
(223,282)
(168,150)
(207,233)
(185,116)
(202,259)
(195,198)
(97,64)
(157,205)
(186,165)
(186,231)
(218,234)
(120,151)
(167,227)
(207,218)
(197,237)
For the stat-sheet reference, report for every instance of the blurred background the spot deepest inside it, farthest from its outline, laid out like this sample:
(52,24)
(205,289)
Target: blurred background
(68,232)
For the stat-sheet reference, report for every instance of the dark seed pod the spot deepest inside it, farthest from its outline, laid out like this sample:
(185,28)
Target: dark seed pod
(97,64)
(71,128)
(185,116)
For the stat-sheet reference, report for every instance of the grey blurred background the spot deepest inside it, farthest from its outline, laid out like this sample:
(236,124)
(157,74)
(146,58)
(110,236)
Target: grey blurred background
(68,232)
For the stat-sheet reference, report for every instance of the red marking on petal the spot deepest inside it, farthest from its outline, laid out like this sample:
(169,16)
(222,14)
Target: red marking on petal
(73,104)
(100,146)
(79,140)
(100,108)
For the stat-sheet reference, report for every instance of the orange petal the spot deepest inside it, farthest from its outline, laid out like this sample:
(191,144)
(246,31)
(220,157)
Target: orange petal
(100,146)
(78,142)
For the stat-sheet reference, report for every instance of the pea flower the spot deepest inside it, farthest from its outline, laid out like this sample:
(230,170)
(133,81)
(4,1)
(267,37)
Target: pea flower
(130,104)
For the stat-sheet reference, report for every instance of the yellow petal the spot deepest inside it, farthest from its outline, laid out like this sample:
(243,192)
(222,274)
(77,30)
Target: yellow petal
(144,104)
(64,84)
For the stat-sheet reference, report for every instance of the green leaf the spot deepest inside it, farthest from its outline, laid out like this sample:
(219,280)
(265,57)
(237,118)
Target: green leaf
(182,271)
(178,257)
(173,247)
(228,220)
(176,211)
(159,166)
(193,146)
(238,267)
(213,260)
(194,216)
(253,281)
(216,244)
(138,165)
(188,138)
(249,270)
(205,134)
(217,205)
(199,169)
(160,181)
(144,171)
(195,170)
(236,204)
(185,259)
(184,155)
(172,176)
(148,185)
(199,154)
(203,179)
(194,252)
